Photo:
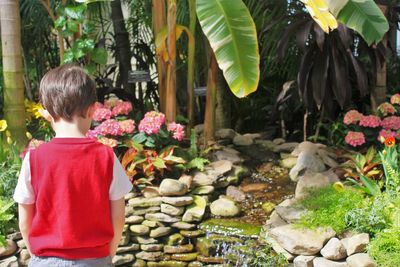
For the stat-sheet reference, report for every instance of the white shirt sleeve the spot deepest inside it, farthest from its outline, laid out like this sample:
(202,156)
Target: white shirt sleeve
(120,185)
(24,193)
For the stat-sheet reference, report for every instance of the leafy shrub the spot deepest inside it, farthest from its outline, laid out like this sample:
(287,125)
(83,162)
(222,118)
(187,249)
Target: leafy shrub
(327,207)
(385,248)
(6,219)
(8,178)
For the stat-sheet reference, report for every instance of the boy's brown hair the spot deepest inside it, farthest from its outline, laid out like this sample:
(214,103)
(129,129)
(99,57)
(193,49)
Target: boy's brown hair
(67,91)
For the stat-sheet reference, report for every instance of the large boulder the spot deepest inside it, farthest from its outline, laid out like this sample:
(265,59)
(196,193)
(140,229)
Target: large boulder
(334,250)
(310,180)
(172,187)
(243,140)
(322,262)
(9,248)
(301,241)
(224,207)
(225,134)
(304,261)
(307,161)
(360,260)
(229,154)
(356,244)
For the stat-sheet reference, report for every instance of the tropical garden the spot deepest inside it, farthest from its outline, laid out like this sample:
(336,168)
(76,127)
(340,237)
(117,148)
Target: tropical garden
(255,132)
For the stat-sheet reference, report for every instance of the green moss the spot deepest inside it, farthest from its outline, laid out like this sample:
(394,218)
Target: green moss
(230,227)
(385,248)
(328,207)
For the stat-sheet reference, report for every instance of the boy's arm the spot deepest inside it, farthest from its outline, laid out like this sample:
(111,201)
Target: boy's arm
(118,221)
(26,212)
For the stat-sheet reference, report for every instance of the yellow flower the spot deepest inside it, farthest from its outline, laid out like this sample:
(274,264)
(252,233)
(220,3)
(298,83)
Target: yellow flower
(8,133)
(33,108)
(9,140)
(28,135)
(3,125)
(338,186)
(319,11)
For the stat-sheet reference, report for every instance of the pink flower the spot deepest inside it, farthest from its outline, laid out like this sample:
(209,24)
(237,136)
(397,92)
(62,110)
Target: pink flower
(101,114)
(127,126)
(112,101)
(32,145)
(352,117)
(122,108)
(370,121)
(93,133)
(386,108)
(383,134)
(108,141)
(98,105)
(392,122)
(177,129)
(395,99)
(152,122)
(355,138)
(109,127)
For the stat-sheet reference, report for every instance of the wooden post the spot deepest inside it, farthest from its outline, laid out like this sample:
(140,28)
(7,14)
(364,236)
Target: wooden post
(191,58)
(209,120)
(170,107)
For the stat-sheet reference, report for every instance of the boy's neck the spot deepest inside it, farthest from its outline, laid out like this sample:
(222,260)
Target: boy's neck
(77,128)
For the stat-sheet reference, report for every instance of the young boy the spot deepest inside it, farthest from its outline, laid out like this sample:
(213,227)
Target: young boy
(71,190)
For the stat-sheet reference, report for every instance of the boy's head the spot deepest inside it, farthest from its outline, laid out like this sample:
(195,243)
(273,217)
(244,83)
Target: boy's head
(66,92)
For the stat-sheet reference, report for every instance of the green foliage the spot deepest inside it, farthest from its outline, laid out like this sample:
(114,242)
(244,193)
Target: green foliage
(390,161)
(261,255)
(328,207)
(6,218)
(8,178)
(374,216)
(197,163)
(385,248)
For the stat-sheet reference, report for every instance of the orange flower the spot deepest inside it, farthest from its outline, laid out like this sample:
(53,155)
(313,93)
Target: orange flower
(390,141)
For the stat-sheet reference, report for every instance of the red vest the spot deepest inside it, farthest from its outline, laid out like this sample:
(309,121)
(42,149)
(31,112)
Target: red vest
(71,178)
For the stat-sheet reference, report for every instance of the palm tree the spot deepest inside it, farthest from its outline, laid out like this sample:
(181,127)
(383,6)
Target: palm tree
(14,109)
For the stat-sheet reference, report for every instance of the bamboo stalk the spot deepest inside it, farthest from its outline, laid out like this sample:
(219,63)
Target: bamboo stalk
(170,107)
(191,66)
(209,120)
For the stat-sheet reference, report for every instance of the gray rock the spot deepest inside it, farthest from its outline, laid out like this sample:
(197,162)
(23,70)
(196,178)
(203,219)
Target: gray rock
(152,247)
(225,134)
(139,263)
(307,146)
(288,163)
(278,141)
(279,249)
(322,262)
(285,147)
(219,168)
(151,224)
(134,219)
(122,259)
(356,244)
(150,256)
(360,260)
(160,231)
(201,178)
(334,250)
(326,159)
(196,210)
(124,239)
(183,225)
(242,140)
(172,210)
(139,229)
(130,195)
(161,217)
(150,192)
(131,247)
(303,261)
(144,240)
(144,202)
(9,248)
(228,154)
(199,128)
(187,180)
(235,193)
(203,190)
(308,181)
(21,243)
(290,214)
(301,241)
(9,262)
(274,221)
(15,236)
(171,187)
(307,162)
(178,201)
(143,211)
(224,207)
(24,257)
(178,249)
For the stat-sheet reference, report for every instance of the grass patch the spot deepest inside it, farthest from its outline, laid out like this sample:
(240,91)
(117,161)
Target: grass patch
(385,248)
(328,207)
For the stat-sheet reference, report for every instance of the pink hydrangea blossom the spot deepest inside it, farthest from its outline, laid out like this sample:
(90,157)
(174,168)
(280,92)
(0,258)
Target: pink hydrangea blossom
(32,145)
(383,134)
(93,133)
(152,122)
(112,101)
(98,105)
(352,117)
(386,109)
(128,126)
(108,141)
(355,138)
(370,121)
(122,108)
(177,129)
(395,99)
(392,122)
(101,114)
(109,127)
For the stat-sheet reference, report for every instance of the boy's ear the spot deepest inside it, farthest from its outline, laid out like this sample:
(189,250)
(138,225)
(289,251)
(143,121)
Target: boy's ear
(91,111)
(45,114)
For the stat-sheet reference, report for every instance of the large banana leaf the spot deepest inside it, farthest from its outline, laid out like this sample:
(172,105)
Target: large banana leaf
(231,31)
(366,18)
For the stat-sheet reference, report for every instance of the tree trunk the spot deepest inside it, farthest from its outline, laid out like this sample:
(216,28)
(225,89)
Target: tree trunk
(123,47)
(13,72)
(159,21)
(209,120)
(378,95)
(170,107)
(191,58)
